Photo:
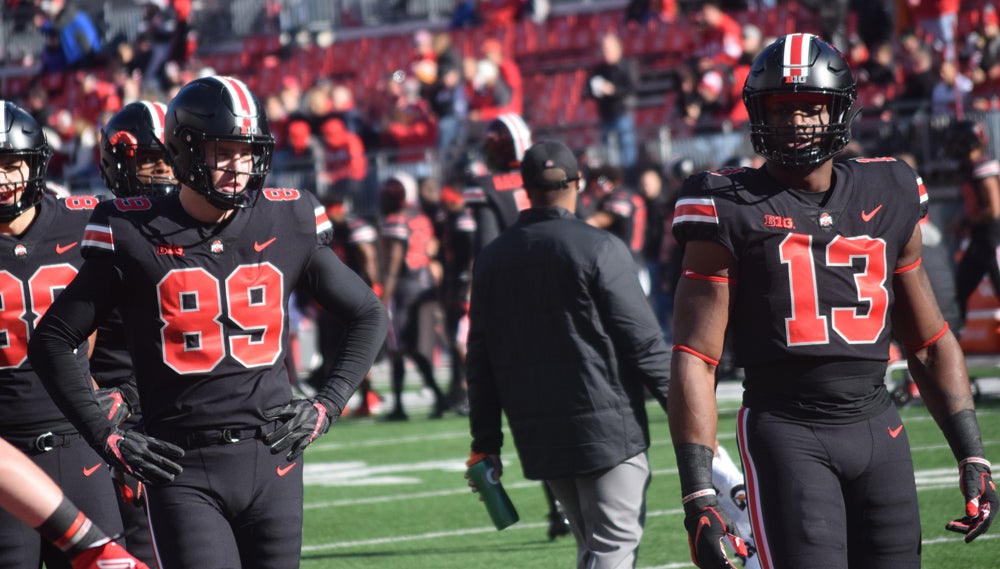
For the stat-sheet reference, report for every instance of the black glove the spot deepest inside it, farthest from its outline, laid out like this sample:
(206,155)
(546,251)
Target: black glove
(980,499)
(303,421)
(148,459)
(113,404)
(710,530)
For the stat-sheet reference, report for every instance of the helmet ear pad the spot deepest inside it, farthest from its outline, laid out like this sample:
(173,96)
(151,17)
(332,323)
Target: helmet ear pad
(22,137)
(800,65)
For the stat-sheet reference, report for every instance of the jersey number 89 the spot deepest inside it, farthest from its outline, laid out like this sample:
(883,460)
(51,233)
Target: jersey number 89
(192,306)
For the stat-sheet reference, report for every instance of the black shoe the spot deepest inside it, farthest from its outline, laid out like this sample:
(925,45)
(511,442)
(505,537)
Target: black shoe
(558,525)
(440,406)
(396,415)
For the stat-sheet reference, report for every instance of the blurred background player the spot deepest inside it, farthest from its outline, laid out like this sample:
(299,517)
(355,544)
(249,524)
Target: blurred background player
(967,143)
(408,246)
(355,241)
(40,254)
(208,335)
(621,212)
(132,164)
(30,495)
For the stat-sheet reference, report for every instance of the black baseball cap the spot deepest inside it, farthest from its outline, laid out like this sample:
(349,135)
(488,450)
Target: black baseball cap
(549,165)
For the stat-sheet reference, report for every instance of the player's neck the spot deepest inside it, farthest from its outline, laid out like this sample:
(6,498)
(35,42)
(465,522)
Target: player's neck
(19,224)
(197,206)
(818,179)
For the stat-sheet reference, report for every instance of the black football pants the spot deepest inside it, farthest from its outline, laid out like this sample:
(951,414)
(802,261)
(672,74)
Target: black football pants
(234,506)
(830,496)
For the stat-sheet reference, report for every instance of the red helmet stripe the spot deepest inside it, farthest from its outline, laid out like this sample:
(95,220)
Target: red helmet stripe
(796,55)
(519,133)
(243,103)
(158,115)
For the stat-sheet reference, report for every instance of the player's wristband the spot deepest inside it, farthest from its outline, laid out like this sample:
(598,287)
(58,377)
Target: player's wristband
(962,432)
(694,466)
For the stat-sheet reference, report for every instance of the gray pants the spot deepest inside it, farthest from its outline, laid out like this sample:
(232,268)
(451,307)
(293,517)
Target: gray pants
(607,512)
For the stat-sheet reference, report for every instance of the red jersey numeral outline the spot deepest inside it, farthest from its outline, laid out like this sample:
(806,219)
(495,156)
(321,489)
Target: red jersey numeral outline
(807,326)
(43,287)
(191,308)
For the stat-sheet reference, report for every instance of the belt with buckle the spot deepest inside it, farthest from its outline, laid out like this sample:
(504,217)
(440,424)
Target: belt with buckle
(40,443)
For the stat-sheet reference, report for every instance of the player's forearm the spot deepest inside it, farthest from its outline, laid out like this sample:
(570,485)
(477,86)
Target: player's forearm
(52,355)
(940,372)
(691,406)
(25,491)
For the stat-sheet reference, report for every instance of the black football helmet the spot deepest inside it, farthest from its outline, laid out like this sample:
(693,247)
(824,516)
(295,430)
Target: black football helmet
(507,138)
(794,64)
(21,137)
(217,109)
(963,137)
(132,136)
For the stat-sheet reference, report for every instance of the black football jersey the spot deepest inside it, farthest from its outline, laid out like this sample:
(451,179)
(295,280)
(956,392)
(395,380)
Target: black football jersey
(34,268)
(347,235)
(205,305)
(815,270)
(495,200)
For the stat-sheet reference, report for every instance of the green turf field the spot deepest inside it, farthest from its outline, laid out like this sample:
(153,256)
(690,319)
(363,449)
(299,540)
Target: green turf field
(392,495)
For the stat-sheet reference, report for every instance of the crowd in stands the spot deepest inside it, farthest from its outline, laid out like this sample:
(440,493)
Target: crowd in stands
(649,65)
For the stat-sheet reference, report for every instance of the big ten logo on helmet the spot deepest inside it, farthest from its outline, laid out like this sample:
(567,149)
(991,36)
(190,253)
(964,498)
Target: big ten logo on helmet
(795,78)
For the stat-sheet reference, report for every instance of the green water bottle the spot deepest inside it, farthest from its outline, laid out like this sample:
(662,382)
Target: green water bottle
(498,503)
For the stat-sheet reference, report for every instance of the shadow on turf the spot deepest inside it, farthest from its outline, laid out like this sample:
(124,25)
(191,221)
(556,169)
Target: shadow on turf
(410,553)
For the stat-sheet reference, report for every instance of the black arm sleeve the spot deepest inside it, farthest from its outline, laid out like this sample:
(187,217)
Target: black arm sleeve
(67,324)
(341,291)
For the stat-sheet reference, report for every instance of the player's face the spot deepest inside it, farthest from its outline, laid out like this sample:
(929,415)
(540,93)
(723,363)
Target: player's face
(801,119)
(230,163)
(151,168)
(14,172)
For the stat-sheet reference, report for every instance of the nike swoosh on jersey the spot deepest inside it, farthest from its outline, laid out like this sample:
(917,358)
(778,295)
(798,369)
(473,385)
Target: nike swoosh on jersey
(895,432)
(283,470)
(88,471)
(868,215)
(261,246)
(60,249)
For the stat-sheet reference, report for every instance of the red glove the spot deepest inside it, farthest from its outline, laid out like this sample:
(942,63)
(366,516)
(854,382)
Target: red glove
(110,554)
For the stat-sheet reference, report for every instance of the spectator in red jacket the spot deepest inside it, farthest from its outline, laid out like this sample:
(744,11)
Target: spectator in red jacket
(493,50)
(719,40)
(345,163)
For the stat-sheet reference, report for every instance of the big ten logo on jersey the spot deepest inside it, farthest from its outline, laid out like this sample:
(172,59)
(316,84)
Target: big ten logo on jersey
(80,202)
(778,221)
(133,203)
(281,194)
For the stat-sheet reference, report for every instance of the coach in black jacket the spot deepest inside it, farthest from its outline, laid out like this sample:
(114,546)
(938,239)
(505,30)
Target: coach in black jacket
(563,341)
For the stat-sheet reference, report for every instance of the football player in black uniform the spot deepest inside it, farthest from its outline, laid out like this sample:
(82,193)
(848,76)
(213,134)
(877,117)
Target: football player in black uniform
(40,243)
(132,163)
(815,264)
(967,142)
(496,198)
(202,278)
(31,496)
